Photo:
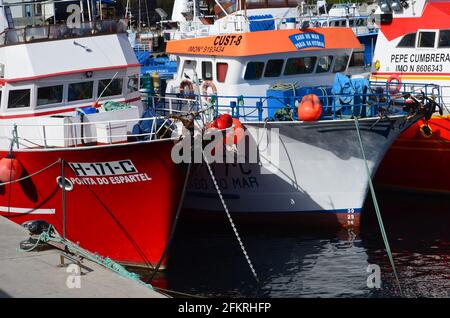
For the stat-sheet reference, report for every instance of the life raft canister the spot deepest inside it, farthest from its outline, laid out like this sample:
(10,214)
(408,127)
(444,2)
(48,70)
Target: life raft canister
(233,127)
(397,88)
(10,169)
(310,108)
(186,84)
(205,96)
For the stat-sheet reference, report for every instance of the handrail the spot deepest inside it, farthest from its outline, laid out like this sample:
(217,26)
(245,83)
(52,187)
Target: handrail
(52,32)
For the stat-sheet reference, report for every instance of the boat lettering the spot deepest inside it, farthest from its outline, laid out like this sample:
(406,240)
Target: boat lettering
(307,40)
(420,62)
(111,168)
(122,179)
(224,40)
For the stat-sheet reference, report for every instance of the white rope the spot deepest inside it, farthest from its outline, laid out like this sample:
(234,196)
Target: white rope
(244,251)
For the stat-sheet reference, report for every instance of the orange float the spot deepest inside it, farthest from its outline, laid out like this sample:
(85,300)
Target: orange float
(10,169)
(310,108)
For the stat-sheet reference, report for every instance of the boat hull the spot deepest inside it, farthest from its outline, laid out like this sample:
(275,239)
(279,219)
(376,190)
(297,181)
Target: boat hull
(404,164)
(122,204)
(319,175)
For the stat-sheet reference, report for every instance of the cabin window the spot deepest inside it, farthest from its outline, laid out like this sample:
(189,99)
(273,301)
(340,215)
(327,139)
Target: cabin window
(80,91)
(133,84)
(109,87)
(19,98)
(341,64)
(426,39)
(49,95)
(444,38)
(408,40)
(300,65)
(324,64)
(222,70)
(207,71)
(274,68)
(254,70)
(351,22)
(357,59)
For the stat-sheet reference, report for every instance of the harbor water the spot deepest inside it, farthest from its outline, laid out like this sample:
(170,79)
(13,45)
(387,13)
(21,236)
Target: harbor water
(293,261)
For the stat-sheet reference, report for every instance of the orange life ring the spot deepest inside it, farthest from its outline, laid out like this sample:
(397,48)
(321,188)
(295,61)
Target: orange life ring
(398,88)
(186,84)
(206,85)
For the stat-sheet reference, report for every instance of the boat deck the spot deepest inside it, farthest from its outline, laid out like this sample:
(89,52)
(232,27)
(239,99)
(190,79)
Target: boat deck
(37,274)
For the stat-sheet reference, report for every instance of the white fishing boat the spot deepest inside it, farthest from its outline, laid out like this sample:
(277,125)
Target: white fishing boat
(318,172)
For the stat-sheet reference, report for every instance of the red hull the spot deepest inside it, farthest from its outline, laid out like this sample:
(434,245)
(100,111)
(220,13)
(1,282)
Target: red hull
(418,163)
(123,214)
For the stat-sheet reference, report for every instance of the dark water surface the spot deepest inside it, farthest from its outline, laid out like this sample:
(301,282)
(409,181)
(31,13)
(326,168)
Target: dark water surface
(295,262)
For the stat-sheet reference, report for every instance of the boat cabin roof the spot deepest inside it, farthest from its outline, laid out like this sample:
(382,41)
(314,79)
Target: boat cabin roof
(266,42)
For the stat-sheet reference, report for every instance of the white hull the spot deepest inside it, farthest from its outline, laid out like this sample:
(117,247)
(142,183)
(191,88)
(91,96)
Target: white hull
(320,170)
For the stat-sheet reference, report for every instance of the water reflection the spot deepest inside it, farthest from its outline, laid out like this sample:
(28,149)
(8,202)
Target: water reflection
(294,262)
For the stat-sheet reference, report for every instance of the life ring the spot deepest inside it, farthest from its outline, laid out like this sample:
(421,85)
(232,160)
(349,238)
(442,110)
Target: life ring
(206,85)
(186,84)
(398,88)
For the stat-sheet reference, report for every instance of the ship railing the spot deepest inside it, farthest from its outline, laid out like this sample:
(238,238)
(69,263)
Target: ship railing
(381,98)
(240,23)
(53,32)
(84,134)
(173,104)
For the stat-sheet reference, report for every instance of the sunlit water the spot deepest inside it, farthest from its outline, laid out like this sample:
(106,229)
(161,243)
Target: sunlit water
(294,262)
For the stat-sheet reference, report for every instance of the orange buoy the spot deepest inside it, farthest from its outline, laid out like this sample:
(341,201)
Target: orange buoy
(310,108)
(224,121)
(10,169)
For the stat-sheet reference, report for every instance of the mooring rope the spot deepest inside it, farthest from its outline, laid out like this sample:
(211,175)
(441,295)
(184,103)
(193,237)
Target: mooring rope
(46,237)
(31,175)
(236,233)
(377,208)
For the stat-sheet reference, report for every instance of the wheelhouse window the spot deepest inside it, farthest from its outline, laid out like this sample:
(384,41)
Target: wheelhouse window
(254,70)
(324,64)
(133,84)
(19,98)
(80,91)
(408,40)
(300,65)
(274,68)
(207,71)
(222,70)
(426,39)
(357,59)
(341,64)
(49,95)
(109,87)
(444,38)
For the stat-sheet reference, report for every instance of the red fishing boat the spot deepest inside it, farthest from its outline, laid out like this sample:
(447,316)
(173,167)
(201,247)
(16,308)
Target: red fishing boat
(414,46)
(75,150)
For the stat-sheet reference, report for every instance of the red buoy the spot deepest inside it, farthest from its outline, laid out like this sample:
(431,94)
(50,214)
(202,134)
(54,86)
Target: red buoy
(310,108)
(224,121)
(10,169)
